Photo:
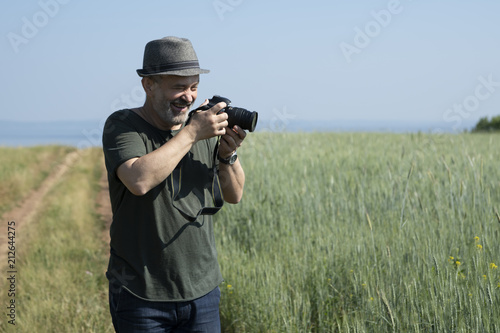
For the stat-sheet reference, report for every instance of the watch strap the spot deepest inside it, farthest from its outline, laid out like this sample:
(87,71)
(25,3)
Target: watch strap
(230,160)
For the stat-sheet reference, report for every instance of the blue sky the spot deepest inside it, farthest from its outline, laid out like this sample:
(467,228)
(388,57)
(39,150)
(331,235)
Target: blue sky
(323,61)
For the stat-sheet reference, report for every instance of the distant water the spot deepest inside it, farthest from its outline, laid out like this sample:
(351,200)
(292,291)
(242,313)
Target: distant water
(84,134)
(81,134)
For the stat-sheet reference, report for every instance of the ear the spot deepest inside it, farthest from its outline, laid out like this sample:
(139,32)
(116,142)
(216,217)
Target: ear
(148,85)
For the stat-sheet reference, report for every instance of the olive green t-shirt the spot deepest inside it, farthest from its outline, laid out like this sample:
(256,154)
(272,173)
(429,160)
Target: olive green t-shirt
(156,253)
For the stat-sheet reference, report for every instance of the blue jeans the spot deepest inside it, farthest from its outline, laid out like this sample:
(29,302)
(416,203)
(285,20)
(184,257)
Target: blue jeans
(131,314)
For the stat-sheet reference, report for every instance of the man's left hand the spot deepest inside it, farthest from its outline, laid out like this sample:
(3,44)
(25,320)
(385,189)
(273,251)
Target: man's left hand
(231,141)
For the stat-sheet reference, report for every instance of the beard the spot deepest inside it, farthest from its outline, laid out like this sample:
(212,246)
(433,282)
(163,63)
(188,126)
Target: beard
(163,109)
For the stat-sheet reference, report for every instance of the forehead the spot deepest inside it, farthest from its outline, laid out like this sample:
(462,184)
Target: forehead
(175,80)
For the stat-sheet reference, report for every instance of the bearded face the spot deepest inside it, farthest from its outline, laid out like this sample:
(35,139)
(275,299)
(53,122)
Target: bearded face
(173,96)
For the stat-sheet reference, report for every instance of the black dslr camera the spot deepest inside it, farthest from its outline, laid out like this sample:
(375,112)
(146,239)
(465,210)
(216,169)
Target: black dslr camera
(245,119)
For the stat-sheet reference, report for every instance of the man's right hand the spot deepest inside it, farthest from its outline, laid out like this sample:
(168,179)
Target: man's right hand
(141,174)
(207,124)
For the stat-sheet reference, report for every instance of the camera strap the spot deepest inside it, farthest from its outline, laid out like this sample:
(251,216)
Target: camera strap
(216,191)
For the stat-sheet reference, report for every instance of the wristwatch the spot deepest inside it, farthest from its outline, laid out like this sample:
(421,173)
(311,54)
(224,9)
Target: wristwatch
(230,160)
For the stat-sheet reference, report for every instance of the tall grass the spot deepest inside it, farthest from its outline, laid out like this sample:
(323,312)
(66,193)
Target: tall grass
(23,169)
(336,233)
(364,233)
(61,259)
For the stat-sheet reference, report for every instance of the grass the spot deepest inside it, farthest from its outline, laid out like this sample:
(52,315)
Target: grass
(356,233)
(22,170)
(337,232)
(61,258)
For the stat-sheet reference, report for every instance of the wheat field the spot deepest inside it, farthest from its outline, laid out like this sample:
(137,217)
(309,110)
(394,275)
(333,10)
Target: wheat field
(336,232)
(364,233)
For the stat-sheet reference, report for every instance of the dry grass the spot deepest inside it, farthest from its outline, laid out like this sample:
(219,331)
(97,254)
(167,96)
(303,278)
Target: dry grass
(24,169)
(62,258)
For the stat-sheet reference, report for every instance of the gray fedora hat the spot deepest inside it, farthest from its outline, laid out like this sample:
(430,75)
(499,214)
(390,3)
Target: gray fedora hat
(170,56)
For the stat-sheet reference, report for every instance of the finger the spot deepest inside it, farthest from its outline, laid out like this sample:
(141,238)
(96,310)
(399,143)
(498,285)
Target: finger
(223,124)
(232,134)
(202,104)
(240,132)
(228,142)
(217,107)
(222,132)
(233,139)
(237,134)
(222,117)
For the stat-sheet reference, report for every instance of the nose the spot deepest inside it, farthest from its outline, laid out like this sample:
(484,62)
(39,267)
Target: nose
(188,96)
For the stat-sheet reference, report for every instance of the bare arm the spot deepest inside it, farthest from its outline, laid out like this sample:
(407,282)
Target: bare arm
(142,174)
(232,177)
(232,180)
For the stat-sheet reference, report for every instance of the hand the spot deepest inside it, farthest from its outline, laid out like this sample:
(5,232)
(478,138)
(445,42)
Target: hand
(207,124)
(231,141)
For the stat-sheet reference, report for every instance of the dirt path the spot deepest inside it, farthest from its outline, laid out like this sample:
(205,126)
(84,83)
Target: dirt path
(24,212)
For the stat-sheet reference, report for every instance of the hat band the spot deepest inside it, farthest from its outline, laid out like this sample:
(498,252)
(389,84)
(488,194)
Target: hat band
(172,66)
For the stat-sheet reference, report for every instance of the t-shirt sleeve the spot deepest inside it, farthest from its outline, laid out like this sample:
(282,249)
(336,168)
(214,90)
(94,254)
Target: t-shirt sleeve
(120,141)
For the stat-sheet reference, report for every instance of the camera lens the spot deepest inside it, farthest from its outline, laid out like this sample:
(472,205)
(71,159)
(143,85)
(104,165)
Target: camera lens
(241,117)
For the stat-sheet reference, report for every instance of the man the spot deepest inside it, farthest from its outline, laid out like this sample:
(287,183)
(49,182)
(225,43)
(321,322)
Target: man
(163,270)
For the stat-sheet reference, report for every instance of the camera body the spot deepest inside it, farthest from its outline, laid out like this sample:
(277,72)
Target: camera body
(245,119)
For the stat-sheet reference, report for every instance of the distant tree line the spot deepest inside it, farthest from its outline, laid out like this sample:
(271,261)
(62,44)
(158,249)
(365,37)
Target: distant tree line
(485,125)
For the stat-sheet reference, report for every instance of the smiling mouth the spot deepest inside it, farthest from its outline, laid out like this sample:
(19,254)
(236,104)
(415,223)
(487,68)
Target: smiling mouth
(179,107)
